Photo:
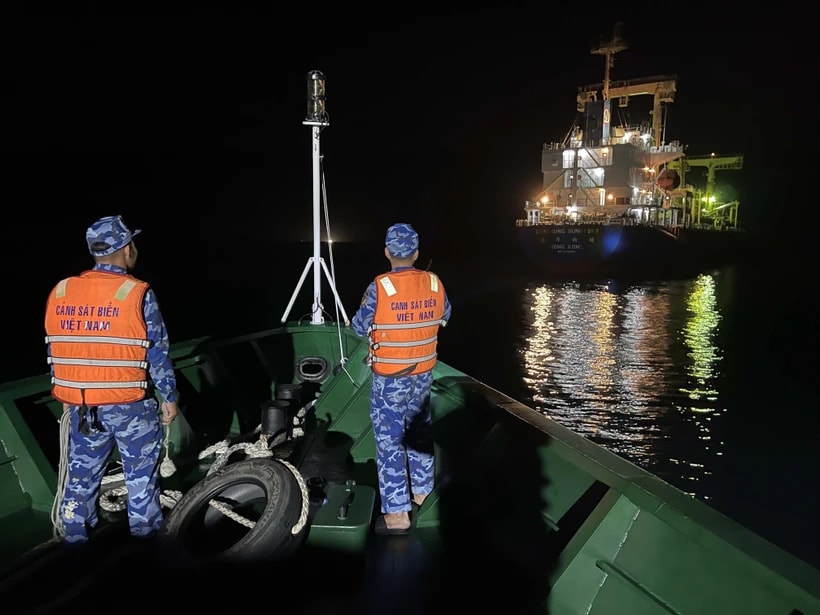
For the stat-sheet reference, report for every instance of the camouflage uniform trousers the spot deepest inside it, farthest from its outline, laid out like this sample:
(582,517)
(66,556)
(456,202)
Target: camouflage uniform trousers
(136,430)
(402,426)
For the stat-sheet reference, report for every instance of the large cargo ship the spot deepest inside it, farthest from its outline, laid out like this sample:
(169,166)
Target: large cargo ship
(615,199)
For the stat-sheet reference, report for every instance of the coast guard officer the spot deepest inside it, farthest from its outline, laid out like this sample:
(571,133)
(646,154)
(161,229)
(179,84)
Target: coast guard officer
(401,312)
(108,354)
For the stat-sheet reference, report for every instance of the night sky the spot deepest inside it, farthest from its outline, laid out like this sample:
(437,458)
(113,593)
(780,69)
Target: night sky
(189,123)
(436,117)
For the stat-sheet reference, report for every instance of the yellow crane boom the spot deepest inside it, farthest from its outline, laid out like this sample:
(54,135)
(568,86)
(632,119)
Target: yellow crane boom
(712,164)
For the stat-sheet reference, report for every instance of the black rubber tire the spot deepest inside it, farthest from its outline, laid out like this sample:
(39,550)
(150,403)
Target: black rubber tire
(260,489)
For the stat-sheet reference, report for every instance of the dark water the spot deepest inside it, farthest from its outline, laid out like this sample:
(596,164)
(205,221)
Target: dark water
(708,382)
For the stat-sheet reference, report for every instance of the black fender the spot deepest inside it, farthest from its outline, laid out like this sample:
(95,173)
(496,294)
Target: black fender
(262,491)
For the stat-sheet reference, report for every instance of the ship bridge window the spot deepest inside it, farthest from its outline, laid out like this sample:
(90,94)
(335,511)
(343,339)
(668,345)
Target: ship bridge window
(585,180)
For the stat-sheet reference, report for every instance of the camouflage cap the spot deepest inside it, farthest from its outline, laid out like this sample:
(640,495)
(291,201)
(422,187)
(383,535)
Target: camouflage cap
(107,235)
(402,240)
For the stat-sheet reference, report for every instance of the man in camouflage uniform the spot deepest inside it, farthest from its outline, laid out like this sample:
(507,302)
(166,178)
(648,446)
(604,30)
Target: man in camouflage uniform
(108,314)
(401,312)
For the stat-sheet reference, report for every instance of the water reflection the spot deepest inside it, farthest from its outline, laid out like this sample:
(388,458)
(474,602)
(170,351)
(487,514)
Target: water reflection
(633,369)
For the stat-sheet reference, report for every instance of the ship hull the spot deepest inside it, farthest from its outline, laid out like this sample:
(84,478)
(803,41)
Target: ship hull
(627,250)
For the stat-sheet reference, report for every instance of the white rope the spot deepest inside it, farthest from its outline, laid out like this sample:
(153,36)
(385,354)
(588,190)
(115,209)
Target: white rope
(218,448)
(111,500)
(252,449)
(228,512)
(167,467)
(62,476)
(300,523)
(256,449)
(115,499)
(169,498)
(332,275)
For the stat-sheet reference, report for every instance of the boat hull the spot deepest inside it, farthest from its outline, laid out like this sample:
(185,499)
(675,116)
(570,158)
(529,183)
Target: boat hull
(523,508)
(627,250)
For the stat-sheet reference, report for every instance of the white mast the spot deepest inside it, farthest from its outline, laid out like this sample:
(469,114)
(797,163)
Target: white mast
(608,49)
(317,118)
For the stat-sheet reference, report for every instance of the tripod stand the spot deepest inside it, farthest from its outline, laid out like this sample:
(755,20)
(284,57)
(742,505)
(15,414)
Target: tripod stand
(317,118)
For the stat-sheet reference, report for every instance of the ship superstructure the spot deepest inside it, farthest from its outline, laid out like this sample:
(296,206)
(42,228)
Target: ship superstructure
(602,169)
(614,197)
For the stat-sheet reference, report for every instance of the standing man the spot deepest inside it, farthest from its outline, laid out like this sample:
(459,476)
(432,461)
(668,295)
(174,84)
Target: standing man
(401,312)
(108,354)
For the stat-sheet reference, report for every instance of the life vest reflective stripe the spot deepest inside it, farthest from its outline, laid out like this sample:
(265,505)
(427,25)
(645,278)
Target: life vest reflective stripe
(404,333)
(429,357)
(419,325)
(404,344)
(100,362)
(141,384)
(98,339)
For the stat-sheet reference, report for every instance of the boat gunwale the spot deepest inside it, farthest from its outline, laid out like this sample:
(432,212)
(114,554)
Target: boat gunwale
(707,527)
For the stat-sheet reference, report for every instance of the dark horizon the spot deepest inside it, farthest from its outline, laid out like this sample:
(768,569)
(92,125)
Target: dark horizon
(189,123)
(437,120)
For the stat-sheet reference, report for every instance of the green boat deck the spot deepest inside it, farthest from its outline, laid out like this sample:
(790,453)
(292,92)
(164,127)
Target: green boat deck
(526,513)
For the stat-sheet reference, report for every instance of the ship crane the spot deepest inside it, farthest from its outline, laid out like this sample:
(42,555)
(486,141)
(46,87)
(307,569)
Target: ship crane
(662,88)
(712,164)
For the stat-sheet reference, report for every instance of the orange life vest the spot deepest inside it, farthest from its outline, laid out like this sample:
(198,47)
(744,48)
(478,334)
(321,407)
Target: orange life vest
(98,339)
(404,333)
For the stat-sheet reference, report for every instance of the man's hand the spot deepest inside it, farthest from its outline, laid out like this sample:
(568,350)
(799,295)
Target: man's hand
(170,409)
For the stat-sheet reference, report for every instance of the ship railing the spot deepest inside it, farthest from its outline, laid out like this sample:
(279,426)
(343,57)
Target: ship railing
(669,147)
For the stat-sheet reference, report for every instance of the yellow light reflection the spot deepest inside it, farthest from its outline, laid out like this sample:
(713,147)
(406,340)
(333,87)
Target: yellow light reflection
(612,364)
(698,333)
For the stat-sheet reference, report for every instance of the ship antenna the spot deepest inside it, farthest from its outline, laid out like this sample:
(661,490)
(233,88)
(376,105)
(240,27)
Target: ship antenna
(608,49)
(317,118)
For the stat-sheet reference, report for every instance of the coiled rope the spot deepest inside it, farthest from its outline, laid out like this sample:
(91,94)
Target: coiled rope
(224,450)
(62,476)
(114,499)
(259,448)
(300,523)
